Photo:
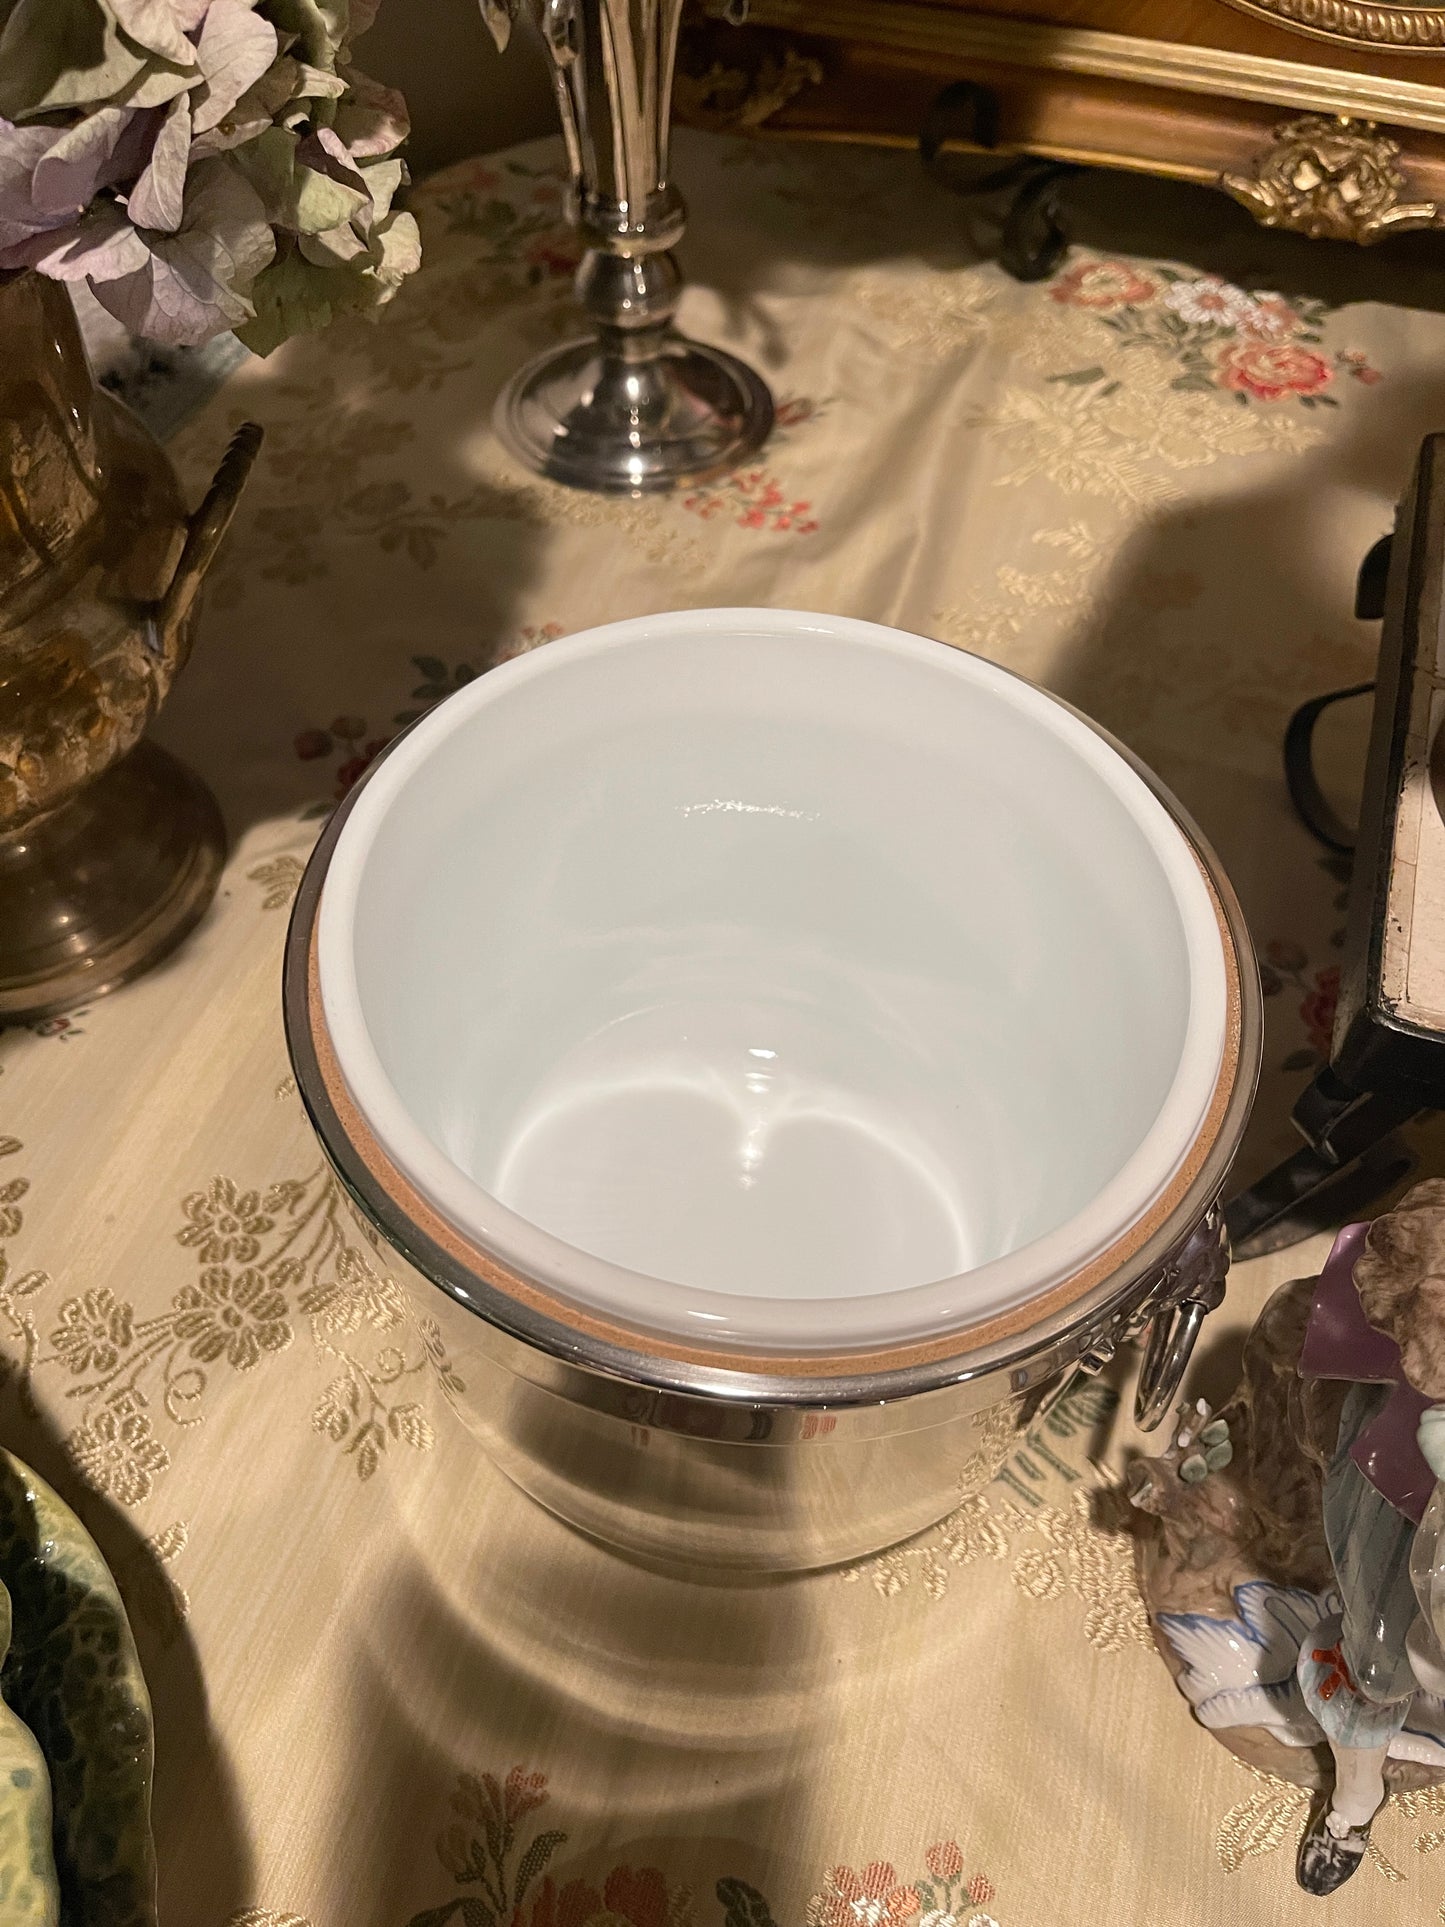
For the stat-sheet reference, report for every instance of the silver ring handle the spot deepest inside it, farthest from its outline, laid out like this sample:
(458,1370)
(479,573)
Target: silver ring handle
(1191,1287)
(1166,1359)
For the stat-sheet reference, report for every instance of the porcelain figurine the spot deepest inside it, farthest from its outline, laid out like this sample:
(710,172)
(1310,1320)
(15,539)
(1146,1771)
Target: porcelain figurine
(1290,1548)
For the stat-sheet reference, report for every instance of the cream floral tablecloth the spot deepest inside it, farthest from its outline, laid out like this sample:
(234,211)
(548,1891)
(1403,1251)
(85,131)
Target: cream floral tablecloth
(388,1690)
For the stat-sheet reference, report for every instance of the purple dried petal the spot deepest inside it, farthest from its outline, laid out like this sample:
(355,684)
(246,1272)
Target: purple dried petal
(158,26)
(158,196)
(82,159)
(100,246)
(372,119)
(197,281)
(21,149)
(324,152)
(235,49)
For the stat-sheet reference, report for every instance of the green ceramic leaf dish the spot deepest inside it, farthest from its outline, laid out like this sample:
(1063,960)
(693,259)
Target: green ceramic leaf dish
(29,1888)
(73,1678)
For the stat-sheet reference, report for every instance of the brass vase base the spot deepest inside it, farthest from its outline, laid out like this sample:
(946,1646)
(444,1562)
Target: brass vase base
(595,420)
(99,889)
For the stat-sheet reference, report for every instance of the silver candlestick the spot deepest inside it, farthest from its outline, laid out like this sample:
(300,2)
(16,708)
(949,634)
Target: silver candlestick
(636,407)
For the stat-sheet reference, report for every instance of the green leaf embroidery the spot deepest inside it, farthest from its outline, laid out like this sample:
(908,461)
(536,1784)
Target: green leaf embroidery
(534,1860)
(744,1905)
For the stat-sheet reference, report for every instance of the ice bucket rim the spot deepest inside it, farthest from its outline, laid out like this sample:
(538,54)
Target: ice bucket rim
(530,1312)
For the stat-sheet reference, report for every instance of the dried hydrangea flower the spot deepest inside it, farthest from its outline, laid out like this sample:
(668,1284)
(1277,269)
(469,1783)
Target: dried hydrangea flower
(202,164)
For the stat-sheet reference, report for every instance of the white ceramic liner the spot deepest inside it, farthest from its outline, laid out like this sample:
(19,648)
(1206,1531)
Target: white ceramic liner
(773,979)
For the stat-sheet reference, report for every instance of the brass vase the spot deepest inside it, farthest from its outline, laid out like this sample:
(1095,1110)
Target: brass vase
(110,850)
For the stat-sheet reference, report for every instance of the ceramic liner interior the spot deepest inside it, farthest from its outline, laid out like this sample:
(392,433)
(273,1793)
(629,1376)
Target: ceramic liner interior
(773,987)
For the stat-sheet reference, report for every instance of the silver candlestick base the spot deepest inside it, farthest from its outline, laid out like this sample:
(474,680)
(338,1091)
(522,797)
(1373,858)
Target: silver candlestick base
(581,417)
(635,408)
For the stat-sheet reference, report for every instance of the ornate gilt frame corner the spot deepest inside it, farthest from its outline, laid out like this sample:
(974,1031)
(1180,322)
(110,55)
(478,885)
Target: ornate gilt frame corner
(731,83)
(1332,179)
(1337,164)
(1387,28)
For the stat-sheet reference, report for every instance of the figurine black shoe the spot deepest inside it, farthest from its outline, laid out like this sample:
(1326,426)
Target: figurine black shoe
(1326,1860)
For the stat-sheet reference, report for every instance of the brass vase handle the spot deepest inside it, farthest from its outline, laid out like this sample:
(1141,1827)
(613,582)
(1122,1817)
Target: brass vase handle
(207,529)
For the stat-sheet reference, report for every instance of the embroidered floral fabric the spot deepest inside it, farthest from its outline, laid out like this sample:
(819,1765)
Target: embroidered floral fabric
(389,1691)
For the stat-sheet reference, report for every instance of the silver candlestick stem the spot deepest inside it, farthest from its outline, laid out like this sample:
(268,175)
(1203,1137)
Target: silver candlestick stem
(635,407)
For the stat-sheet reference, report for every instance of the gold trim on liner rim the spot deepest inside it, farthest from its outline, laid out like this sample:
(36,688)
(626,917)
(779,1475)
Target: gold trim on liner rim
(961,1340)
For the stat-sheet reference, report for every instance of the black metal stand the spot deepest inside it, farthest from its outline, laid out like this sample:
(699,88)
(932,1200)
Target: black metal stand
(1352,1156)
(1311,805)
(1033,241)
(1351,1113)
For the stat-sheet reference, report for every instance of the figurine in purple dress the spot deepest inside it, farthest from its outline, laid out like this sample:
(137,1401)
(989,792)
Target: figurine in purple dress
(1292,1555)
